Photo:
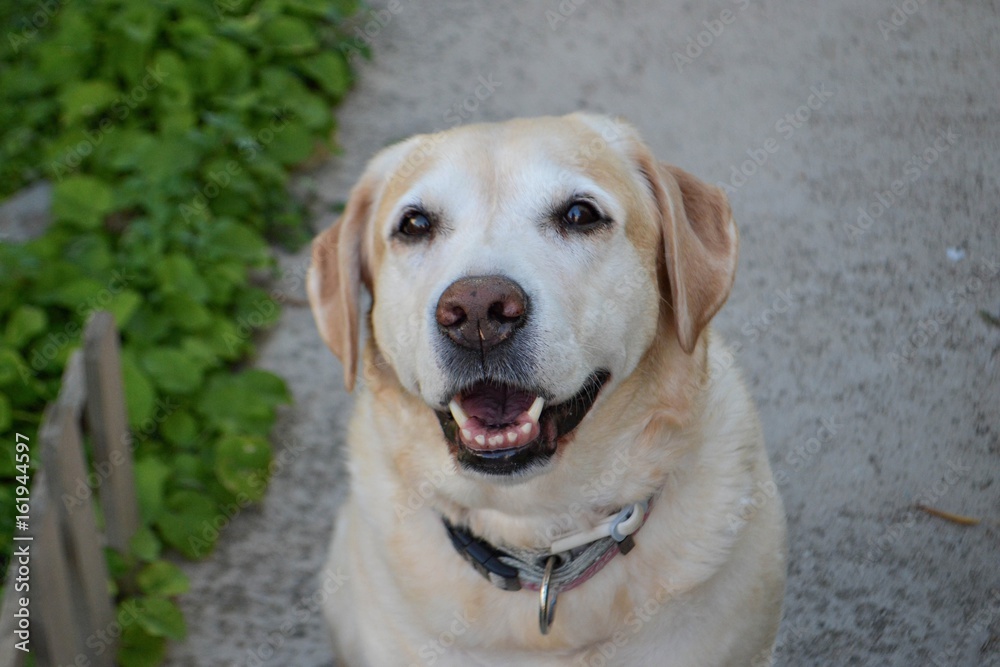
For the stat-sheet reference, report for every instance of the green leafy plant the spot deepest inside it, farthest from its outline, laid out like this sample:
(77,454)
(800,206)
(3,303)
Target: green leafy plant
(168,129)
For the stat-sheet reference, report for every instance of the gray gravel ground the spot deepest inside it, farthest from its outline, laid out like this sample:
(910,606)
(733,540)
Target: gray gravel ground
(870,244)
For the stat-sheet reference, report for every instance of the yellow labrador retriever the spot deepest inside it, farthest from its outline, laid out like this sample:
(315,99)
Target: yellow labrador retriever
(552,459)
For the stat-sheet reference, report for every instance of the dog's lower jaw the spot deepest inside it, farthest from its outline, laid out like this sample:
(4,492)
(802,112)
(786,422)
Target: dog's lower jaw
(555,426)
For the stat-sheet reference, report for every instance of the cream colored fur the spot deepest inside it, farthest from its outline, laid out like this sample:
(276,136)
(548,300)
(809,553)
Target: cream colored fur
(704,584)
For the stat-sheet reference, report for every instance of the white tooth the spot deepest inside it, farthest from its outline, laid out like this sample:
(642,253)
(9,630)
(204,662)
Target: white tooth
(512,437)
(535,411)
(526,428)
(480,440)
(467,434)
(458,413)
(498,440)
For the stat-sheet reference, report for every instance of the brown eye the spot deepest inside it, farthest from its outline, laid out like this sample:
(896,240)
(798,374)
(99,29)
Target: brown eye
(582,216)
(414,224)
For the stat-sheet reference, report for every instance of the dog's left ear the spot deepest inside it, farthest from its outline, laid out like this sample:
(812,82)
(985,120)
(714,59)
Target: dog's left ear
(335,277)
(700,242)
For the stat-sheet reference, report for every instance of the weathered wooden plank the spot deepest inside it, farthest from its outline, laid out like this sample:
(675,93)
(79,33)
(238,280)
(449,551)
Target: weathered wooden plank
(56,638)
(70,491)
(108,426)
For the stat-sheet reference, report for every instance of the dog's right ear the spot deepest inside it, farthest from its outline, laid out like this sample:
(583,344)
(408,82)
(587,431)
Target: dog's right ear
(335,276)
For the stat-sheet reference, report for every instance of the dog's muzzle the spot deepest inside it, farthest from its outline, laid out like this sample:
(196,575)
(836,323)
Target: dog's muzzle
(497,422)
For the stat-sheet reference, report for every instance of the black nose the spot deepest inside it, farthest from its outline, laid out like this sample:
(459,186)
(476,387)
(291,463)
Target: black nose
(482,311)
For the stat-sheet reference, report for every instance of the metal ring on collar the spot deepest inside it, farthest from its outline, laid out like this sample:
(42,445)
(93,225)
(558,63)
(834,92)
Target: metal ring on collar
(547,597)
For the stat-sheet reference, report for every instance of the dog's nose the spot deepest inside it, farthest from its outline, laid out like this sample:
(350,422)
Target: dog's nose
(482,311)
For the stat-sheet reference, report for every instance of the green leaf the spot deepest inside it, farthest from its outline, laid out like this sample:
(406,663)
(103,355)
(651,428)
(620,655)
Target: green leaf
(185,313)
(244,402)
(330,71)
(199,352)
(139,647)
(118,564)
(123,305)
(191,523)
(160,617)
(144,545)
(24,324)
(79,295)
(162,578)
(292,145)
(171,370)
(237,241)
(267,385)
(226,341)
(151,476)
(227,69)
(82,99)
(70,53)
(138,21)
(190,469)
(123,149)
(6,414)
(82,201)
(313,111)
(180,428)
(289,35)
(223,278)
(148,324)
(92,253)
(176,273)
(163,160)
(140,398)
(241,465)
(12,367)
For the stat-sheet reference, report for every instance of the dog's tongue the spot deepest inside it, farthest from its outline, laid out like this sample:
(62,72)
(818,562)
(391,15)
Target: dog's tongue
(494,417)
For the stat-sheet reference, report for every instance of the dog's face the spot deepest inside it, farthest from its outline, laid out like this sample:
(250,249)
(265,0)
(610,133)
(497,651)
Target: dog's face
(519,272)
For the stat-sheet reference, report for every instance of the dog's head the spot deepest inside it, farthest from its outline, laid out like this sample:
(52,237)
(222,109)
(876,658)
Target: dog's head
(519,272)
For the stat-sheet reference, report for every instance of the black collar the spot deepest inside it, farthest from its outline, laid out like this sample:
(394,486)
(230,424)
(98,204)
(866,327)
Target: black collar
(513,569)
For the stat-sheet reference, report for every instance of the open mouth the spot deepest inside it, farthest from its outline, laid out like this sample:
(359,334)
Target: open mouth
(502,430)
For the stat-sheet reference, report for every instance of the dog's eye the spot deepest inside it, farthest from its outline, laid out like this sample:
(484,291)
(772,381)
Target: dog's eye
(414,224)
(582,216)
